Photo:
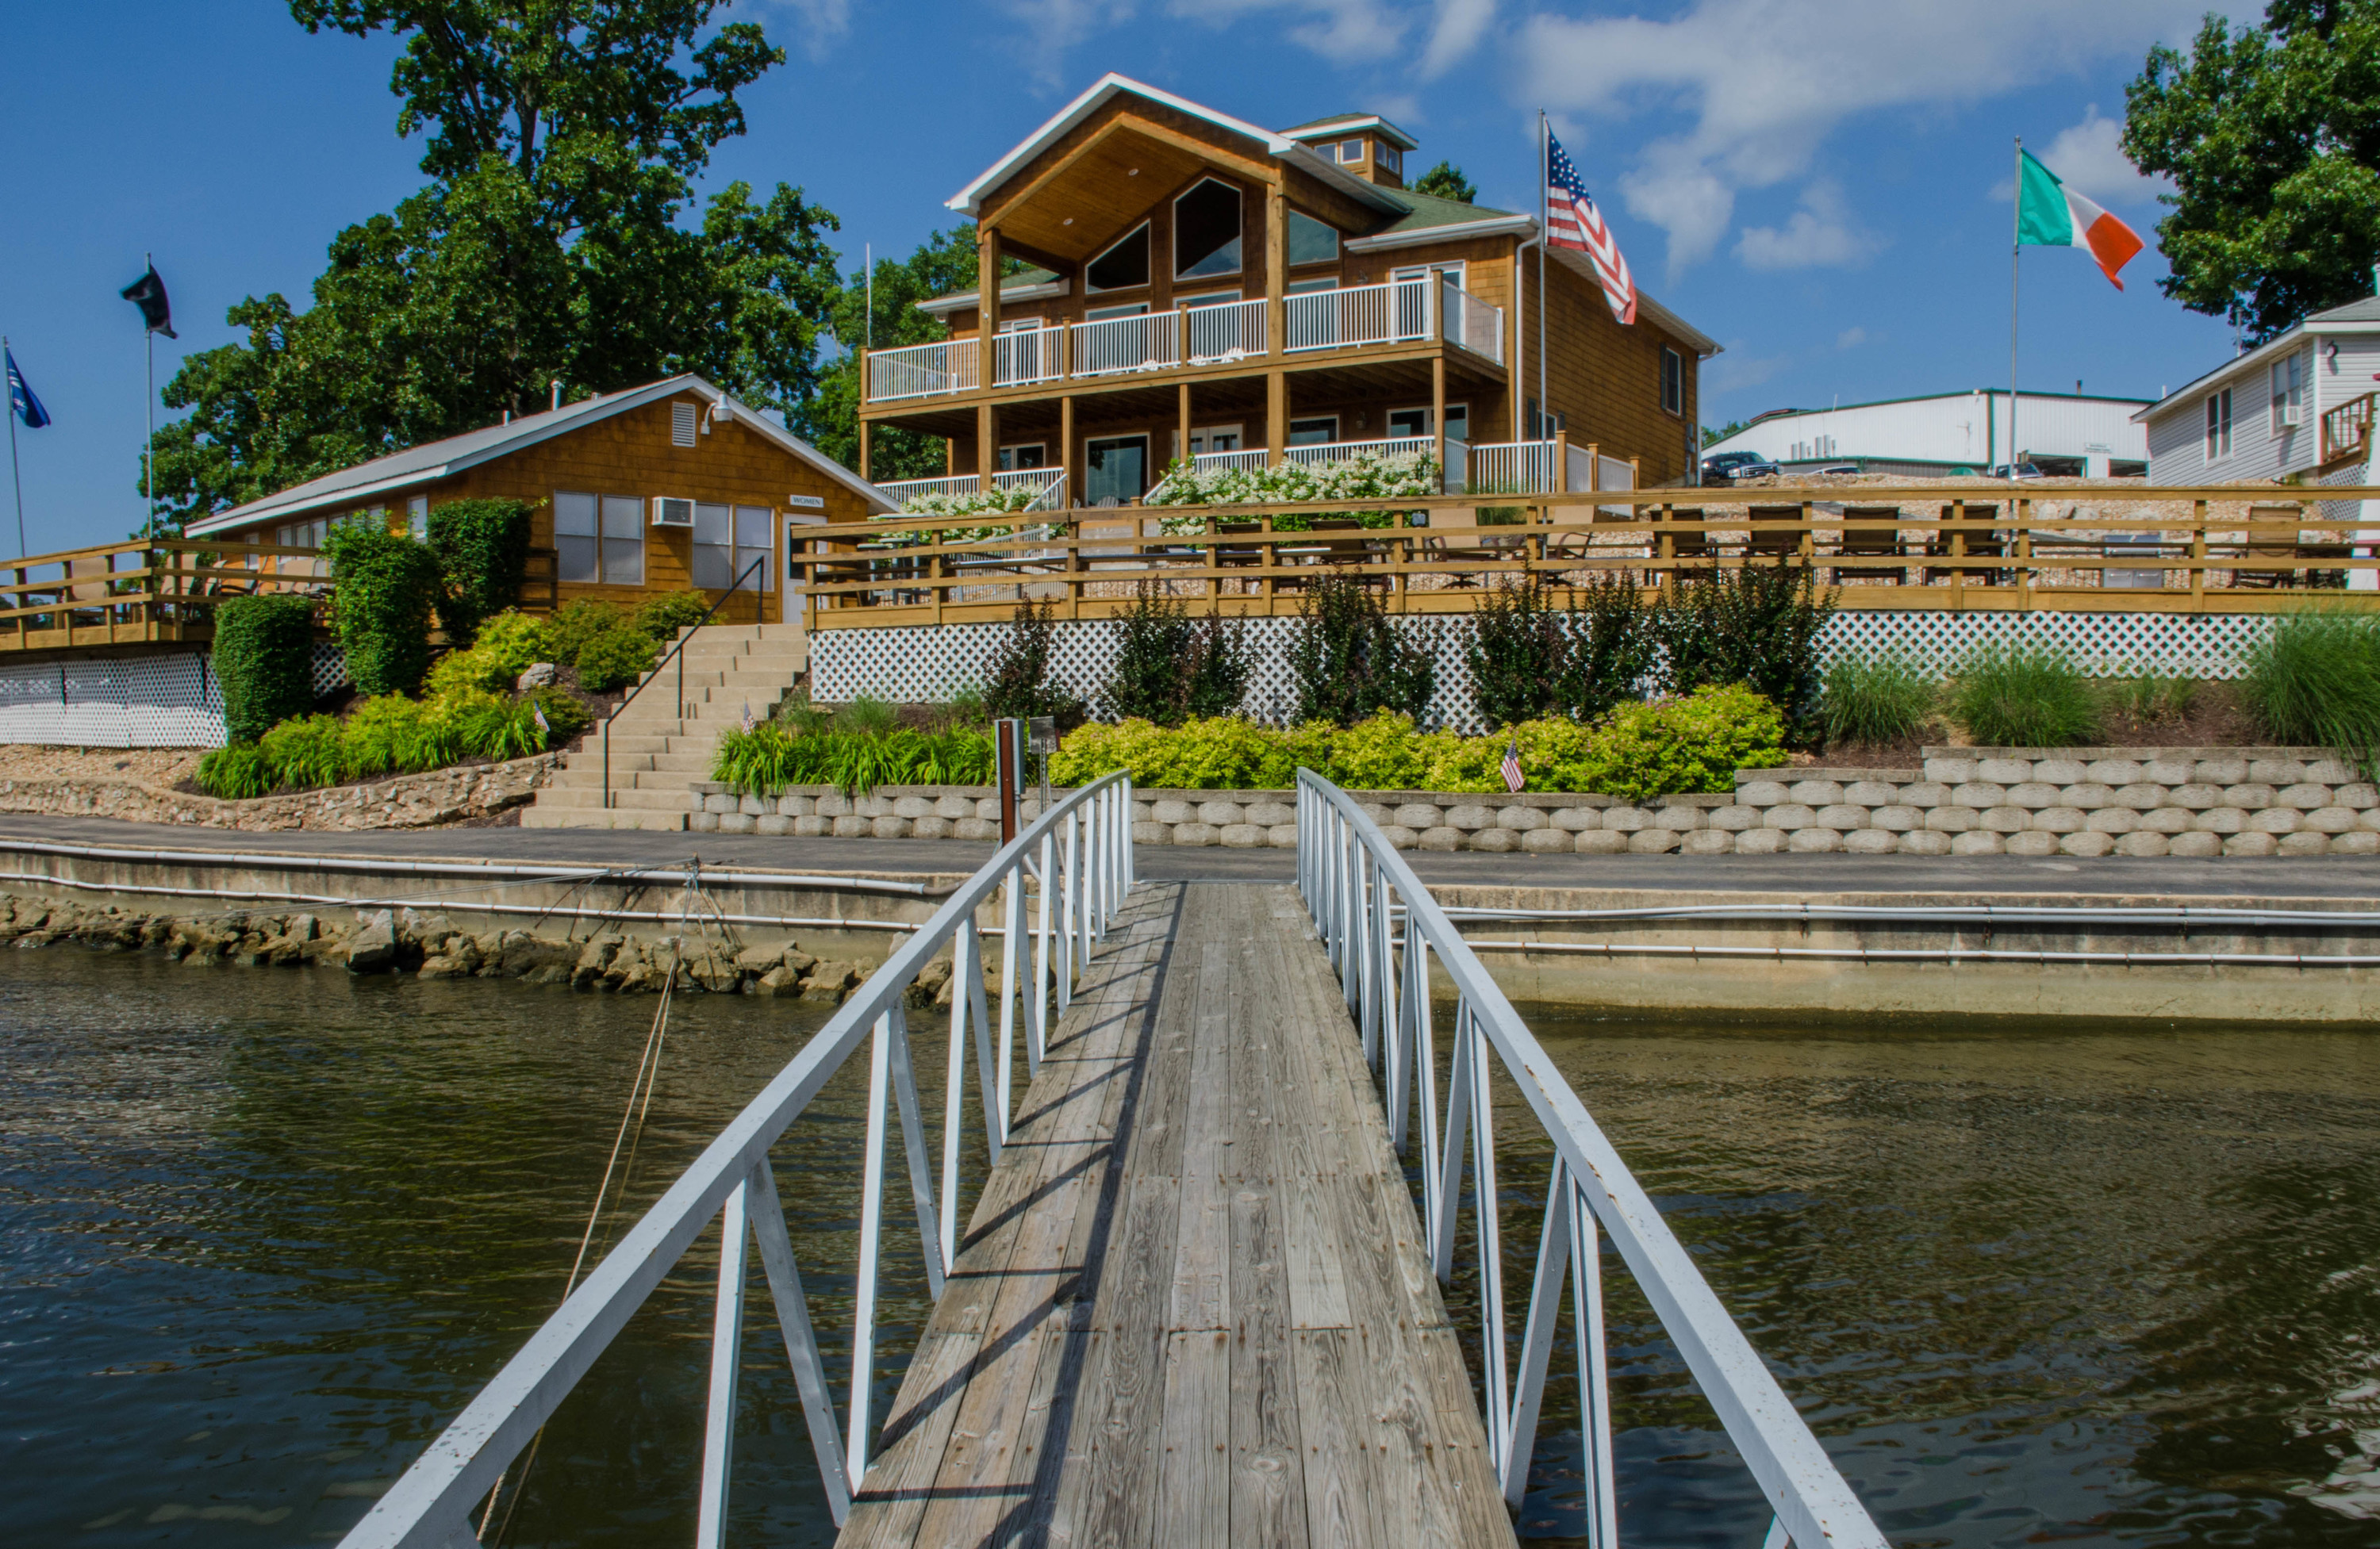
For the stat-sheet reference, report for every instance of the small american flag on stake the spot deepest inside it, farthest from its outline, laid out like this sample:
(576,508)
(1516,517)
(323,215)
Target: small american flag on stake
(1572,222)
(1513,779)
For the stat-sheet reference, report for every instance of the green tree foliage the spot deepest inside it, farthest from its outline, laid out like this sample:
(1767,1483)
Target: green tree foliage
(1714,434)
(562,144)
(264,660)
(481,547)
(2271,135)
(1446,181)
(1349,660)
(945,262)
(388,586)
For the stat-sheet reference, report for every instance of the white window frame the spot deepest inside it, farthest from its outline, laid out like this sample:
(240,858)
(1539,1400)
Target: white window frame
(1390,157)
(1203,438)
(1103,314)
(1208,299)
(619,524)
(1140,436)
(1141,230)
(1310,285)
(1351,151)
(2289,384)
(739,552)
(1411,272)
(2219,425)
(1006,462)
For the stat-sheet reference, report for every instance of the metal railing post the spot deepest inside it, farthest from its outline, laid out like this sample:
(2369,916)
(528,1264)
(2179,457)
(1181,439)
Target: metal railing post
(726,1358)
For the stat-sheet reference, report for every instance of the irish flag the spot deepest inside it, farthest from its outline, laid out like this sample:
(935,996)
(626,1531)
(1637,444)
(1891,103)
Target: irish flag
(2050,214)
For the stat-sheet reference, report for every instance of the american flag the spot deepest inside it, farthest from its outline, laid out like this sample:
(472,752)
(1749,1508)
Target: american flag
(1513,779)
(1572,221)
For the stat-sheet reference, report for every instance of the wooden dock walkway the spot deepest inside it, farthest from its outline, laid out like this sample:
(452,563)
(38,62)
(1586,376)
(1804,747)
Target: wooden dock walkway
(1192,1307)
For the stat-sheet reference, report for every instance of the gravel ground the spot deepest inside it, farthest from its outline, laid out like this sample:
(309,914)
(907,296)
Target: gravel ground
(160,767)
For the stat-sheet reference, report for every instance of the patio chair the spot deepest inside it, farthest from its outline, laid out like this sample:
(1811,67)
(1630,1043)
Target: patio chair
(1773,542)
(1873,541)
(2269,548)
(1988,545)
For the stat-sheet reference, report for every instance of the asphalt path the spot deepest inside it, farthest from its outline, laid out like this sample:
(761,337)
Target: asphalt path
(2327,876)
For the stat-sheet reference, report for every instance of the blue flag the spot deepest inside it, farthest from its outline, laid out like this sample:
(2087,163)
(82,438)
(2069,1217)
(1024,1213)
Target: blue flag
(20,397)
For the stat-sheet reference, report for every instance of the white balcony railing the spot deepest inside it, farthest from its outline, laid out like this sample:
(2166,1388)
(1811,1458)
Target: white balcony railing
(923,371)
(1228,332)
(1471,322)
(904,490)
(1395,314)
(1024,355)
(1524,467)
(1047,484)
(1150,342)
(1348,451)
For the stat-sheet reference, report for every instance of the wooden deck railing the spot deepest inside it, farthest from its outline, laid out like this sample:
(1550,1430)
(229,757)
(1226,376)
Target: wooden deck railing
(166,590)
(2218,550)
(2347,429)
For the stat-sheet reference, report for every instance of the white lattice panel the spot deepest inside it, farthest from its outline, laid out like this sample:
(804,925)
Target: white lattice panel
(161,701)
(330,668)
(926,664)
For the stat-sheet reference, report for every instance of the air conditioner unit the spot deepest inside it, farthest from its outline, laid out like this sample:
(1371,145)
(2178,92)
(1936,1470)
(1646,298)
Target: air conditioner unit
(2291,413)
(669,513)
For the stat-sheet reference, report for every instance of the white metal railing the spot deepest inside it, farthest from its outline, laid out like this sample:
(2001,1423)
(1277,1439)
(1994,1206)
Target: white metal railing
(1148,342)
(1385,314)
(1348,451)
(1229,330)
(1079,853)
(1515,468)
(1022,356)
(1471,322)
(906,489)
(1382,928)
(922,371)
(1049,486)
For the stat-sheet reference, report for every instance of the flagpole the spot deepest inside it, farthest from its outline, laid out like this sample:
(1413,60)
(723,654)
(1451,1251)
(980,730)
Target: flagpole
(2016,247)
(149,457)
(16,474)
(1544,410)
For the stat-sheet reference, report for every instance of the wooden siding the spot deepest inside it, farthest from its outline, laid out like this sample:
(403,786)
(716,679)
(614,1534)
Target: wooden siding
(632,453)
(1606,378)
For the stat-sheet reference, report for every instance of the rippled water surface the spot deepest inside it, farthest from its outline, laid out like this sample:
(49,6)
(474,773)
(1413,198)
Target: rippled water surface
(262,1233)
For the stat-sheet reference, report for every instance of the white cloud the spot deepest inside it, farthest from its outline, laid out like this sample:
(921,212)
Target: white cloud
(1052,27)
(2090,155)
(1819,235)
(1762,83)
(1460,25)
(1345,32)
(1850,338)
(823,23)
(1734,372)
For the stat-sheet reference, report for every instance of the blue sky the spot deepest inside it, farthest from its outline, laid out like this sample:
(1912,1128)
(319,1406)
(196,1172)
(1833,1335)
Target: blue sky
(1820,185)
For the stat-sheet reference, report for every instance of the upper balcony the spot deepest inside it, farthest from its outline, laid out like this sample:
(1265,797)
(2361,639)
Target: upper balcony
(1324,323)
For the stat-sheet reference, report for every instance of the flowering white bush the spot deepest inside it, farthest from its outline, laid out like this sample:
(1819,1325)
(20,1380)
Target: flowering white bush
(983,504)
(1367,476)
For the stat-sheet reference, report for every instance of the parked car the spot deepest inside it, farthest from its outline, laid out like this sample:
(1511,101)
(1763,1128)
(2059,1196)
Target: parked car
(1731,466)
(1836,470)
(2021,470)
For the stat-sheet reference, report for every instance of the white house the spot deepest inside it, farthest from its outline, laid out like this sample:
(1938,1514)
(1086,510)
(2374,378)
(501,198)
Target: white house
(2296,403)
(1947,432)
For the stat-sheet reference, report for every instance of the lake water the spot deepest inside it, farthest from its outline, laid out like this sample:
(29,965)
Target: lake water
(261,1234)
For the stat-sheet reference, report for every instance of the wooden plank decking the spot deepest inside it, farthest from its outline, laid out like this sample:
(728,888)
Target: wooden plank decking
(1192,1307)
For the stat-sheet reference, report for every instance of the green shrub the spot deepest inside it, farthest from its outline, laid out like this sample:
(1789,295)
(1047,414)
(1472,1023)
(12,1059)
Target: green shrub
(516,640)
(575,624)
(1170,668)
(1694,744)
(1880,698)
(1757,625)
(481,547)
(1519,652)
(771,755)
(387,589)
(305,752)
(1019,682)
(2315,681)
(664,616)
(2153,696)
(2009,697)
(1348,659)
(1385,752)
(565,714)
(235,773)
(379,735)
(457,672)
(615,658)
(499,728)
(868,717)
(1612,648)
(264,661)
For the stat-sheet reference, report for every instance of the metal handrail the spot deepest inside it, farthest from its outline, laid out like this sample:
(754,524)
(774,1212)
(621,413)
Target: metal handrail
(677,649)
(1352,879)
(1085,869)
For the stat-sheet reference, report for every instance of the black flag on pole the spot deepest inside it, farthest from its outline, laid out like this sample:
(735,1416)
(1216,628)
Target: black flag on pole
(148,293)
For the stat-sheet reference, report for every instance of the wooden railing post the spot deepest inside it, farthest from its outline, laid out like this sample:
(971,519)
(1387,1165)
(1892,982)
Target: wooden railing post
(2198,558)
(1958,552)
(2023,512)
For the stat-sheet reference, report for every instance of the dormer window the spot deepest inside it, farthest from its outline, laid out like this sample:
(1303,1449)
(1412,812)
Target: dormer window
(1123,266)
(1391,159)
(1350,152)
(1207,231)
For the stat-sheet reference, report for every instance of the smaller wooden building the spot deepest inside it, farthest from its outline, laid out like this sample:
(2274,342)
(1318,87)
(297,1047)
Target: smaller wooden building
(656,489)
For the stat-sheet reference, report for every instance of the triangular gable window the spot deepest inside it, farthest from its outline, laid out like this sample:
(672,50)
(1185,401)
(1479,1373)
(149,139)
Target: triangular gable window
(1123,266)
(1207,231)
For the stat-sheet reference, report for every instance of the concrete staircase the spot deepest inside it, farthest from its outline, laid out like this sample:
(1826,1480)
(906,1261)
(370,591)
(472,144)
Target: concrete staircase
(655,751)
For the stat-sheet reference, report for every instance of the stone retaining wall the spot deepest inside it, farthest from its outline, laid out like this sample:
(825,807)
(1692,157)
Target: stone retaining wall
(2082,802)
(415,801)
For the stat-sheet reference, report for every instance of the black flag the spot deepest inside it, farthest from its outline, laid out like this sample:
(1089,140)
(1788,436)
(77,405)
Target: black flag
(148,293)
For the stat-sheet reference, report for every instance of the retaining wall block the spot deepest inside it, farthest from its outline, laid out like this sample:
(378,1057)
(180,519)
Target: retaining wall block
(1684,819)
(1923,841)
(2141,795)
(2059,820)
(2367,818)
(1980,795)
(2218,821)
(1140,813)
(1626,819)
(2032,841)
(929,827)
(2113,820)
(1599,842)
(2004,819)
(2275,771)
(2303,796)
(2034,796)
(2251,797)
(1443,837)
(1272,814)
(1579,820)
(1142,833)
(1842,817)
(988,808)
(2124,771)
(2305,842)
(2003,771)
(1547,841)
(2274,821)
(737,823)
(2251,843)
(2330,821)
(1520,820)
(1871,792)
(1496,841)
(889,827)
(1710,842)
(1951,820)
(704,822)
(721,803)
(1897,819)
(1734,820)
(2165,820)
(1871,842)
(834,805)
(814,827)
(2330,771)
(911,807)
(798,806)
(773,823)
(1244,836)
(1950,771)
(1381,816)
(852,826)
(2193,845)
(956,808)
(2060,771)
(1216,815)
(1471,816)
(2143,842)
(1791,817)
(1925,794)
(1814,841)
(873,806)
(2220,770)
(1762,792)
(1419,816)
(2088,795)
(2085,844)
(2360,842)
(1816,793)
(1760,842)
(751,807)
(1978,841)
(1398,837)
(2357,796)
(1652,841)
(979,828)
(2170,771)
(1195,835)
(1173,812)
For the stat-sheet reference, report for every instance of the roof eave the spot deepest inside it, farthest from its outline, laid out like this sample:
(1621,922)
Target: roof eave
(963,300)
(1493,225)
(969,200)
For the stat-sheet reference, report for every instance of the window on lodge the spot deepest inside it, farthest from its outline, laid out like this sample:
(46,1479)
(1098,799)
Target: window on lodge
(1207,231)
(1673,381)
(1311,241)
(1124,265)
(728,540)
(1409,424)
(600,539)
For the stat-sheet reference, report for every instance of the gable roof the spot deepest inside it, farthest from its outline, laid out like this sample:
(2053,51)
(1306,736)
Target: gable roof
(1352,123)
(2359,316)
(969,200)
(432,460)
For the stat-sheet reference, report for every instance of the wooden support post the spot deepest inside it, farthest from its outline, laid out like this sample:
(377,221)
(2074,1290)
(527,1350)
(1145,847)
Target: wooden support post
(1074,485)
(1957,550)
(986,299)
(1276,415)
(1447,483)
(1182,449)
(2023,514)
(1809,538)
(1276,259)
(987,441)
(864,437)
(2198,559)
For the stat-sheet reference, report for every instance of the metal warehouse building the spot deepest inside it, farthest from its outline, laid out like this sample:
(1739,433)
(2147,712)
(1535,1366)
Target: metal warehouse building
(2060,433)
